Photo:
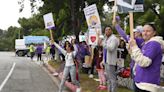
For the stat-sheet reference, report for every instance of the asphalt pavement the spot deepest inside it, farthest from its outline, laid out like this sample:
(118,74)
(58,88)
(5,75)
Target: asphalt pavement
(24,76)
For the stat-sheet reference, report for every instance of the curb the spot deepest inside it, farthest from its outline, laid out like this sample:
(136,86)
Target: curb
(69,85)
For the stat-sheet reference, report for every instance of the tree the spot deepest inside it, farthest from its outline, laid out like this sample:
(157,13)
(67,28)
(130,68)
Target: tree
(1,32)
(69,16)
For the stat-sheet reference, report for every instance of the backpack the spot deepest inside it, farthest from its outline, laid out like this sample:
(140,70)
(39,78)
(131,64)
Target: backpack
(125,73)
(78,55)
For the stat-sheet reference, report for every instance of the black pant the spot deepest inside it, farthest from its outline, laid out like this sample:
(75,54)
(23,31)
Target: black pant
(32,55)
(39,57)
(136,89)
(93,66)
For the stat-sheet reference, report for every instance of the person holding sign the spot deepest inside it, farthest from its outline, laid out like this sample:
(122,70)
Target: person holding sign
(147,60)
(110,45)
(146,54)
(69,54)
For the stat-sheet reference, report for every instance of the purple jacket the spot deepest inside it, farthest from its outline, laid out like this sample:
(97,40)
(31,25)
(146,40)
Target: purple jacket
(39,49)
(150,74)
(153,51)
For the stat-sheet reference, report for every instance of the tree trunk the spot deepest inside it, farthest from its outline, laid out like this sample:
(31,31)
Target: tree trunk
(73,16)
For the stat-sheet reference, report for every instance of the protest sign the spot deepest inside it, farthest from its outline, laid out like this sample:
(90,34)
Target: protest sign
(93,39)
(125,6)
(92,17)
(82,38)
(48,21)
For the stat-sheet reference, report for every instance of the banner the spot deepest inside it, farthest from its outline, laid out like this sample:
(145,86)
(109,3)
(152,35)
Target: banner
(125,6)
(92,16)
(48,21)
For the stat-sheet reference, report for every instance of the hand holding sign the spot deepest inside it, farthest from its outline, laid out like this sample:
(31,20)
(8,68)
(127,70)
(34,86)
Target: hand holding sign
(117,20)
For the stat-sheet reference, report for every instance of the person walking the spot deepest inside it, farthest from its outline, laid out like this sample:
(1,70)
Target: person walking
(39,51)
(32,51)
(69,68)
(47,50)
(110,45)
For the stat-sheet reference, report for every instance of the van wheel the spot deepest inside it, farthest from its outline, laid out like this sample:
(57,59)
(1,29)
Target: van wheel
(20,53)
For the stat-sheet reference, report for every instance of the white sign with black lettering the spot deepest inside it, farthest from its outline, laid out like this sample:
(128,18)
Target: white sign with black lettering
(48,21)
(125,6)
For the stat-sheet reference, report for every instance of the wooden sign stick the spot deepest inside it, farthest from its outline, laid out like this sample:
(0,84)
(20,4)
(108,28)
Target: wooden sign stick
(114,12)
(131,24)
(52,39)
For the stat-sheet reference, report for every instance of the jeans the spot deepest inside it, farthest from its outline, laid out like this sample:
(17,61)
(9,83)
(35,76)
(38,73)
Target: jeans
(72,71)
(111,77)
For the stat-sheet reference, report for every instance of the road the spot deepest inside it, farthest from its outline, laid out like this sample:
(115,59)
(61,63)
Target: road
(19,74)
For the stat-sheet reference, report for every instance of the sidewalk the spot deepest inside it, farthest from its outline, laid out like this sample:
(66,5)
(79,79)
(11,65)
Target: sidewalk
(56,80)
(49,70)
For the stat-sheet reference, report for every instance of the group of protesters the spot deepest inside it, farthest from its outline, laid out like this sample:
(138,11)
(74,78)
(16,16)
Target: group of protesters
(145,49)
(103,58)
(39,49)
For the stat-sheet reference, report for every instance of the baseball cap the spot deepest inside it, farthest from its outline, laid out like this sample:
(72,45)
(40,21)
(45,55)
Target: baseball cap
(139,28)
(134,30)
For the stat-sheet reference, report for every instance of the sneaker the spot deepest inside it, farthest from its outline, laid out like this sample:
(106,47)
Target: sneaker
(78,90)
(103,87)
(99,87)
(91,76)
(55,74)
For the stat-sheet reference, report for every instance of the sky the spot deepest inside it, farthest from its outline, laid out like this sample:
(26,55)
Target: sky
(9,13)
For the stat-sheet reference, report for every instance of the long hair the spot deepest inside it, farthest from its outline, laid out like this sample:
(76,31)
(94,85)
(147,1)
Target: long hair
(66,43)
(71,47)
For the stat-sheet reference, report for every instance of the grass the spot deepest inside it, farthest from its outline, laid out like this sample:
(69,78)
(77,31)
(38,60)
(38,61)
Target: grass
(90,85)
(87,84)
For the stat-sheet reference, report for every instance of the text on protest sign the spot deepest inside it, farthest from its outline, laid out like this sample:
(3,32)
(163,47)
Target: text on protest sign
(92,16)
(125,6)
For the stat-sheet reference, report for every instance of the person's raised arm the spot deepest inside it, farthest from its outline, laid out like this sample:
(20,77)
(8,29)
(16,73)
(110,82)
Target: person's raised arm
(119,29)
(60,48)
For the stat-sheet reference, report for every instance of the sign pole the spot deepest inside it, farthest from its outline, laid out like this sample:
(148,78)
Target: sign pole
(131,24)
(52,39)
(114,12)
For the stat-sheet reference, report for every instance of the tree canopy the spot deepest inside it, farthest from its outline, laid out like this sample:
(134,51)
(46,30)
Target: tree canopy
(69,18)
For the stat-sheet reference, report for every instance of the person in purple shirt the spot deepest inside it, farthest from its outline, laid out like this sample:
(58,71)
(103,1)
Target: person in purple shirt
(39,51)
(138,38)
(147,59)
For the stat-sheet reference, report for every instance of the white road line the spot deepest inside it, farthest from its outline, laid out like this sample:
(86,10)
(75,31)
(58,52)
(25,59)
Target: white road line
(7,77)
